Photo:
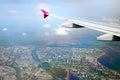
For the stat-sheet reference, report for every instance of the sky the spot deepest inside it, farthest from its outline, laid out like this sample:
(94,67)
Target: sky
(23,20)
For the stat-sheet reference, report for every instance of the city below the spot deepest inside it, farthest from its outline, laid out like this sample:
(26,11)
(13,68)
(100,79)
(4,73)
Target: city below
(53,63)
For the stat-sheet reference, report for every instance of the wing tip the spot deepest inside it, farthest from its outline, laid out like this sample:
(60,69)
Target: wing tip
(45,13)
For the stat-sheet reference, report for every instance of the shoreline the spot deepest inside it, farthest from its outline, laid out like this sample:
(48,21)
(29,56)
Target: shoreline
(110,70)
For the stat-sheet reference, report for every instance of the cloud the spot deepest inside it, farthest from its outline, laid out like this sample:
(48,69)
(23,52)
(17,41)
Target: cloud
(24,34)
(43,6)
(4,29)
(111,20)
(13,12)
(47,25)
(61,31)
(46,34)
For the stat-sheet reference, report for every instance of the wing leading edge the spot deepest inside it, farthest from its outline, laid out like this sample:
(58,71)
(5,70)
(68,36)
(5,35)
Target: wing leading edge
(111,34)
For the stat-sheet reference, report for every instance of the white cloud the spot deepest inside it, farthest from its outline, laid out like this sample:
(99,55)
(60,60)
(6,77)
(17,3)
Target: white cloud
(24,34)
(13,12)
(46,34)
(47,25)
(4,29)
(61,31)
(43,6)
(111,20)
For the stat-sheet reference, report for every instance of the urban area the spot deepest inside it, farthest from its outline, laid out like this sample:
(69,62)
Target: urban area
(53,63)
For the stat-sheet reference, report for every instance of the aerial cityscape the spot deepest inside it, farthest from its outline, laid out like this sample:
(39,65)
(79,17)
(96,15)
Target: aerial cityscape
(60,40)
(53,63)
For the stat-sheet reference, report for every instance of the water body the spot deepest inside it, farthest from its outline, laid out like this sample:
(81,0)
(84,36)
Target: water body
(72,77)
(35,56)
(111,59)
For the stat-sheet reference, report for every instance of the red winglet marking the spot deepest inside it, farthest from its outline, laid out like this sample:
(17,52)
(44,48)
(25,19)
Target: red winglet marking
(45,13)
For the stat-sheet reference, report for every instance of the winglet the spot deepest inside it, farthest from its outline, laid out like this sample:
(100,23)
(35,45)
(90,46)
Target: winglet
(45,13)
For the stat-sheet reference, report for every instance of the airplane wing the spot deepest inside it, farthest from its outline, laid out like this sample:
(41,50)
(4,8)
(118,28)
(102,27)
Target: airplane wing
(111,34)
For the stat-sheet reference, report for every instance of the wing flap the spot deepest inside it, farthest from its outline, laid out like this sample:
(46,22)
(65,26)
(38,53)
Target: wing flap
(108,37)
(71,25)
